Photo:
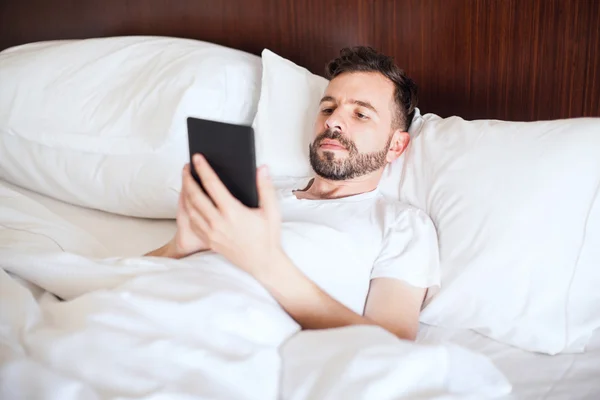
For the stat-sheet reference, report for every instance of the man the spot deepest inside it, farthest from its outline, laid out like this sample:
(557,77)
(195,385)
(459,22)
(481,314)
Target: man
(334,252)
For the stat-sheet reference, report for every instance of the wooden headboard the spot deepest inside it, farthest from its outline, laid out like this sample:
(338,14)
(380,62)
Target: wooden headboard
(505,59)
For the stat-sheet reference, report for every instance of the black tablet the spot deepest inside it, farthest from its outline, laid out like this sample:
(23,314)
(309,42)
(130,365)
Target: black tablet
(229,149)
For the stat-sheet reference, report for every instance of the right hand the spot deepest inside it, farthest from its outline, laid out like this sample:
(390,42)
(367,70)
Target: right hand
(186,241)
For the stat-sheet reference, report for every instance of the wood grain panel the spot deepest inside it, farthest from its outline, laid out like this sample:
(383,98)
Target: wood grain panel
(505,59)
(591,101)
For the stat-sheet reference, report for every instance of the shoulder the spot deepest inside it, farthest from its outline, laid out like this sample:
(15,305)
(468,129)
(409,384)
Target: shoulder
(400,214)
(409,249)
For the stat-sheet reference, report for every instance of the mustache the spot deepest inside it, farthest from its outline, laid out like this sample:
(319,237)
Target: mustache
(336,135)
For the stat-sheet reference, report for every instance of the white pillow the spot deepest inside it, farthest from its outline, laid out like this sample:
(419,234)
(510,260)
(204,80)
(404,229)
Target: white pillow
(286,115)
(517,210)
(101,123)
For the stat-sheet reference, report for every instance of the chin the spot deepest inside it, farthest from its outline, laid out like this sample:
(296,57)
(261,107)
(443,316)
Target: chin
(331,155)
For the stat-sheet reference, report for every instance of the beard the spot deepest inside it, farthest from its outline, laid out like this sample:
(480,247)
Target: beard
(354,165)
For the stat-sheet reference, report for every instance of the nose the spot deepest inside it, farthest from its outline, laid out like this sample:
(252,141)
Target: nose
(336,121)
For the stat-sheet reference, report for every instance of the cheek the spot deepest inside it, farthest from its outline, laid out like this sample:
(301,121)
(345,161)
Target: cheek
(320,122)
(367,140)
(372,136)
(318,127)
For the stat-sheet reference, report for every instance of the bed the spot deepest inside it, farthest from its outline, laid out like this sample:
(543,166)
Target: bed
(484,61)
(533,376)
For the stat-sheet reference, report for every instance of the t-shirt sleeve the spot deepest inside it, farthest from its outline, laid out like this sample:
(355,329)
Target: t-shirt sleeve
(410,251)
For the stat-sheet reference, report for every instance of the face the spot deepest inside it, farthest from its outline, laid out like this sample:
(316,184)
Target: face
(354,134)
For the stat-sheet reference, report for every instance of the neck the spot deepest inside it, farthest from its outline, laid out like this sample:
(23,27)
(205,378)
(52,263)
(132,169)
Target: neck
(321,188)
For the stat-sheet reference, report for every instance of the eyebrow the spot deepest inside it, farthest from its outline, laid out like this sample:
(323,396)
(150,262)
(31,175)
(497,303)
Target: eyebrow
(361,103)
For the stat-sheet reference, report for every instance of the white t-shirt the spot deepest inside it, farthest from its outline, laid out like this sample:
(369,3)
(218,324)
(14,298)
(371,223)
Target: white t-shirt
(341,244)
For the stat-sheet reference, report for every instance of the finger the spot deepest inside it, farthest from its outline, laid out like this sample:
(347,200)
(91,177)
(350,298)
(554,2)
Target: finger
(180,201)
(217,191)
(267,195)
(183,204)
(186,170)
(184,191)
(198,201)
(197,222)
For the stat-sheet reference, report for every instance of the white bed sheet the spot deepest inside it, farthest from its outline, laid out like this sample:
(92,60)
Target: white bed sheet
(533,376)
(122,236)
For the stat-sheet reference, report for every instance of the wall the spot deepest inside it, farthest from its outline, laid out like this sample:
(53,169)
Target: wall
(506,59)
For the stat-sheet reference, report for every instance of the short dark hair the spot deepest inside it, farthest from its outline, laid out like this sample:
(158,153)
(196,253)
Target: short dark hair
(367,59)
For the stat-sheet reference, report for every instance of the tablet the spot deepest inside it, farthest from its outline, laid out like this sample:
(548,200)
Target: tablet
(229,149)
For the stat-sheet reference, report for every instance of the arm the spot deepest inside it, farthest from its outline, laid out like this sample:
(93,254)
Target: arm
(169,250)
(391,303)
(226,224)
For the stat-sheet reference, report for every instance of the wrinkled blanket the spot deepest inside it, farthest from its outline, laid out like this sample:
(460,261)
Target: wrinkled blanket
(83,326)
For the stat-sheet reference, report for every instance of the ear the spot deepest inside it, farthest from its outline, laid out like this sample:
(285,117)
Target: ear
(398,143)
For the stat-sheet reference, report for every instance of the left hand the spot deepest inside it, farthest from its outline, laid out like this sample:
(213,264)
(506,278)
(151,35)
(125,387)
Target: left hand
(249,238)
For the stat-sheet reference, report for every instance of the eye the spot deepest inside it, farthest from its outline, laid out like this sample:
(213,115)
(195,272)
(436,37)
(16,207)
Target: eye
(362,116)
(327,111)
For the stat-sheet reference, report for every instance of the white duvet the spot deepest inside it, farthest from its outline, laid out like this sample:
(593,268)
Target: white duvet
(75,324)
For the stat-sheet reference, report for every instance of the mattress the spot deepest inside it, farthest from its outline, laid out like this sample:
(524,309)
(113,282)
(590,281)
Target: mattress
(533,376)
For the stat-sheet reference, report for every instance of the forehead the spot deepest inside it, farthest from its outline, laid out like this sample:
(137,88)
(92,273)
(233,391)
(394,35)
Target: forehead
(371,87)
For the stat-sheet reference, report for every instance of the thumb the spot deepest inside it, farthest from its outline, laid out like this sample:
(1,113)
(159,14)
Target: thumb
(267,196)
